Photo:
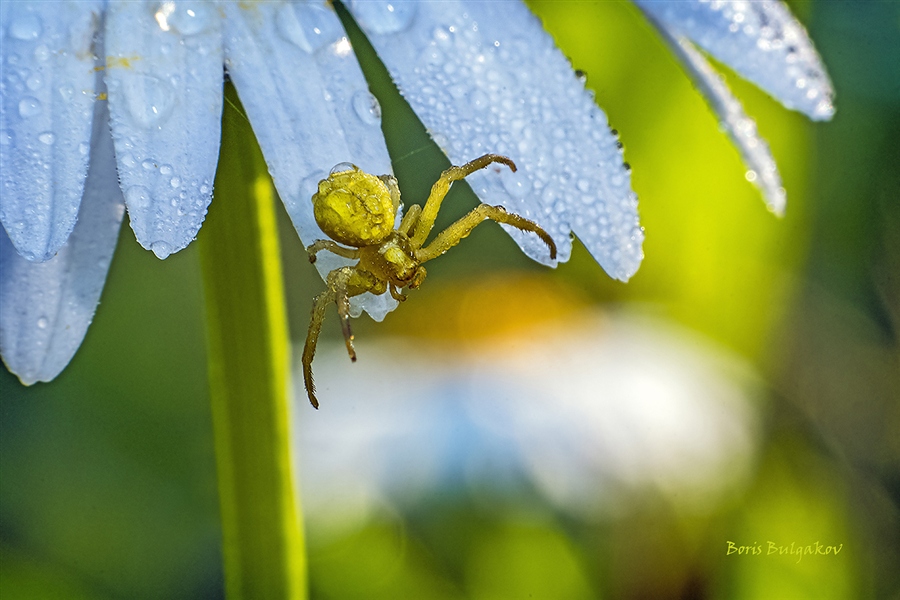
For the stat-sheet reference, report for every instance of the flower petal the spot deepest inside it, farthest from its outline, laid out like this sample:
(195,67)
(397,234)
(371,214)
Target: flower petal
(164,73)
(741,128)
(485,77)
(761,40)
(45,308)
(45,120)
(309,105)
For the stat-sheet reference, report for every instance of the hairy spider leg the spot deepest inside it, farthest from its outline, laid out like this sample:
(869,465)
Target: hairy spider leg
(442,186)
(341,284)
(410,219)
(464,226)
(319,245)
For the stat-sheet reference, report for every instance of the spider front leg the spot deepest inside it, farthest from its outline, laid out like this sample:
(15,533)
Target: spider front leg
(463,227)
(341,285)
(439,190)
(319,245)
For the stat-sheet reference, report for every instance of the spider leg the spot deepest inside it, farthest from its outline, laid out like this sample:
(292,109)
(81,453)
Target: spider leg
(395,293)
(442,186)
(337,292)
(464,226)
(320,245)
(309,350)
(410,219)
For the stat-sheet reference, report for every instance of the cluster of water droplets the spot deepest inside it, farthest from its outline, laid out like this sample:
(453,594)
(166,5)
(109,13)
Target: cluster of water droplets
(488,79)
(165,94)
(47,90)
(759,39)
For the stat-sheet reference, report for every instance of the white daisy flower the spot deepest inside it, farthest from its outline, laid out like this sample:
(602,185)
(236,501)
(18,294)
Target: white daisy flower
(482,76)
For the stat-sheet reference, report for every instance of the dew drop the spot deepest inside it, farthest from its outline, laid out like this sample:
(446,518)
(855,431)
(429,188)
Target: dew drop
(161,249)
(175,182)
(384,17)
(48,137)
(67,93)
(150,100)
(584,185)
(43,322)
(478,99)
(166,170)
(42,53)
(204,189)
(84,148)
(7,138)
(308,26)
(29,106)
(190,18)
(137,196)
(341,167)
(750,175)
(516,184)
(148,164)
(34,82)
(26,27)
(367,108)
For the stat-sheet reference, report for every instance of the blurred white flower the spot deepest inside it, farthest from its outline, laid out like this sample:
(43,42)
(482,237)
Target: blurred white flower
(592,412)
(482,76)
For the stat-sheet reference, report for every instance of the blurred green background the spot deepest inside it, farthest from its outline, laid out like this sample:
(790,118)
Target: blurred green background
(107,475)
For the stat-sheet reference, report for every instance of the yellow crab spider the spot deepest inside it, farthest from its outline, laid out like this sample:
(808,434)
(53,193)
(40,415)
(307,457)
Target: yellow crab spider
(359,210)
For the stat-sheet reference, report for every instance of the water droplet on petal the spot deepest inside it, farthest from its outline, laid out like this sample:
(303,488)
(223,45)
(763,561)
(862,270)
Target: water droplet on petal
(137,196)
(584,185)
(84,148)
(148,164)
(7,138)
(166,170)
(383,17)
(308,26)
(190,18)
(175,182)
(43,322)
(42,53)
(67,93)
(516,184)
(29,107)
(161,249)
(341,167)
(367,108)
(750,175)
(150,100)
(34,82)
(48,137)
(26,27)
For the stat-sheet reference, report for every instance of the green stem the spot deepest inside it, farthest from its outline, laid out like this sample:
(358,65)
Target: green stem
(249,375)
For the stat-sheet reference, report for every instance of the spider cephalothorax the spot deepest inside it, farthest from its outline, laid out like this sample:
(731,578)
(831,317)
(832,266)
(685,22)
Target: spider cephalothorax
(359,210)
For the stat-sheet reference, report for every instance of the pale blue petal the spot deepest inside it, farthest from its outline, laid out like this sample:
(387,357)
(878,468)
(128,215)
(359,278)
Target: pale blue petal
(47,90)
(45,308)
(759,39)
(485,77)
(164,73)
(740,128)
(309,105)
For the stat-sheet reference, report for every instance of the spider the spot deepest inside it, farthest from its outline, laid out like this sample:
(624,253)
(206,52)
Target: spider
(359,210)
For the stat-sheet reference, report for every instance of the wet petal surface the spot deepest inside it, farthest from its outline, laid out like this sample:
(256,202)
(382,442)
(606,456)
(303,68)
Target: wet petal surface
(763,171)
(761,40)
(45,308)
(164,74)
(47,91)
(309,106)
(485,77)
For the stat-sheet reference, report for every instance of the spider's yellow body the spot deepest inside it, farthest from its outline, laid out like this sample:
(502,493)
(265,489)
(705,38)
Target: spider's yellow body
(359,210)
